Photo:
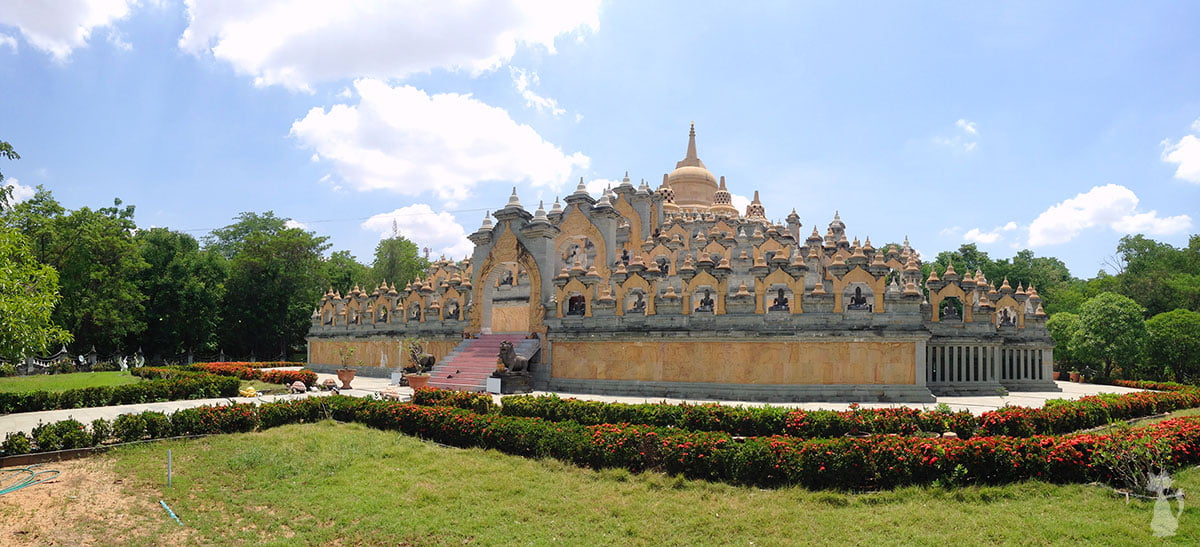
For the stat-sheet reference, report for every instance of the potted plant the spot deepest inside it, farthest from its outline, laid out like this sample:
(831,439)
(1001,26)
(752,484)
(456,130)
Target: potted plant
(346,374)
(420,363)
(1074,376)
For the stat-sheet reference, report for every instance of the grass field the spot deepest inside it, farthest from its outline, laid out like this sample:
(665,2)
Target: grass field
(63,382)
(348,484)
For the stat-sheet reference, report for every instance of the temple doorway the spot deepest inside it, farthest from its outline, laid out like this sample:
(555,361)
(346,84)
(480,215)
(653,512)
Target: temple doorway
(506,299)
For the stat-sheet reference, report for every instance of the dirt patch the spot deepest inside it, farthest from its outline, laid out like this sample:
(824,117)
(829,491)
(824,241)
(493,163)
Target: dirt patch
(87,504)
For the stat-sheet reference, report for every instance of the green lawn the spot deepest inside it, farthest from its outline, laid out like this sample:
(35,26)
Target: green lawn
(63,382)
(348,484)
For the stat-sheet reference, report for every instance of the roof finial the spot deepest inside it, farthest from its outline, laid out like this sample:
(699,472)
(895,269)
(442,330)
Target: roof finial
(691,150)
(755,200)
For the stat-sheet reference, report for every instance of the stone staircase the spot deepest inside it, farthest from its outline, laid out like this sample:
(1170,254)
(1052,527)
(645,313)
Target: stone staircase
(472,361)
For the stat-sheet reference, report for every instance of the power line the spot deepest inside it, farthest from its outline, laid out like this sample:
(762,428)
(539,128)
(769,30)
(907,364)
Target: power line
(357,219)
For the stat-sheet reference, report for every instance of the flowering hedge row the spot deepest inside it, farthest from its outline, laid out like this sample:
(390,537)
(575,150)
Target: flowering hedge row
(160,386)
(840,463)
(236,370)
(1057,416)
(1148,384)
(256,364)
(481,403)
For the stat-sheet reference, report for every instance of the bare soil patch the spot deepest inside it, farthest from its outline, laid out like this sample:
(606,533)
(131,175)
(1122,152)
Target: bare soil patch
(87,504)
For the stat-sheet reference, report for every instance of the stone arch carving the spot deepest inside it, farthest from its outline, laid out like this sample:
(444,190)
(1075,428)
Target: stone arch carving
(768,245)
(635,282)
(693,293)
(682,232)
(949,291)
(507,248)
(635,223)
(575,224)
(778,277)
(1007,301)
(858,275)
(383,309)
(575,287)
(713,248)
(354,312)
(451,298)
(328,313)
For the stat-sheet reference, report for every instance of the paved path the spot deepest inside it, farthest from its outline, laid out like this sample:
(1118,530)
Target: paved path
(366,387)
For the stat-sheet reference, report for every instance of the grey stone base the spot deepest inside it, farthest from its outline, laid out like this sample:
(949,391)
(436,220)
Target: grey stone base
(1031,385)
(749,392)
(979,389)
(516,383)
(369,372)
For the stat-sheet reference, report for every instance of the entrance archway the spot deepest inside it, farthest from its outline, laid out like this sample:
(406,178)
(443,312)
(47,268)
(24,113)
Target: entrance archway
(506,294)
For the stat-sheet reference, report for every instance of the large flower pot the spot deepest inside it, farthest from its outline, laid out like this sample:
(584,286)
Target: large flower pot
(345,376)
(1074,376)
(417,381)
(1057,375)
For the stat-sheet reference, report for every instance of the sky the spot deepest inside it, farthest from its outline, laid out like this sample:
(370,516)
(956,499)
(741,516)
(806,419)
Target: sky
(1056,127)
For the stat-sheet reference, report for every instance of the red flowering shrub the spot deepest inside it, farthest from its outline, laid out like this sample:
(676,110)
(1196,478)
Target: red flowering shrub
(256,364)
(476,402)
(239,370)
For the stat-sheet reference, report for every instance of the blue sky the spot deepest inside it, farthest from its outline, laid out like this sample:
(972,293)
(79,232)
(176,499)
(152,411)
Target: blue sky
(1057,128)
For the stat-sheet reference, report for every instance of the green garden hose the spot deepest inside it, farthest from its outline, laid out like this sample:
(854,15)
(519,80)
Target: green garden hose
(17,478)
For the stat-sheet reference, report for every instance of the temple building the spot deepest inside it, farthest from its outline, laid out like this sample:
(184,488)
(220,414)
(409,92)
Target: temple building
(673,292)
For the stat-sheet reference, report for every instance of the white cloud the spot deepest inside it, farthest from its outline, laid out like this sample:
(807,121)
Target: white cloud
(421,225)
(739,202)
(950,232)
(523,80)
(401,139)
(118,40)
(1185,153)
(59,28)
(299,43)
(965,140)
(975,235)
(20,192)
(1111,205)
(296,224)
(9,42)
(596,186)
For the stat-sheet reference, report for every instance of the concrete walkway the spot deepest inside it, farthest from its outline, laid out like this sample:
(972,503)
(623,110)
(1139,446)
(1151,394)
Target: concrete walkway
(367,387)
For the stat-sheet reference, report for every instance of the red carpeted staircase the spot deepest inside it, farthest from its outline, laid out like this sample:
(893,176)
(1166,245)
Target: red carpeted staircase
(468,366)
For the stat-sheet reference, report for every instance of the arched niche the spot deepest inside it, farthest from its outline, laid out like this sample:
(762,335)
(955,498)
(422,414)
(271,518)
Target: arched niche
(328,313)
(577,229)
(842,287)
(635,283)
(858,296)
(951,290)
(766,292)
(574,298)
(1016,319)
(706,294)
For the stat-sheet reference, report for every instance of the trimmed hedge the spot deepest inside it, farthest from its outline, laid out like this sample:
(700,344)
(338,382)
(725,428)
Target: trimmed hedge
(1057,416)
(832,463)
(255,364)
(161,385)
(480,403)
(237,370)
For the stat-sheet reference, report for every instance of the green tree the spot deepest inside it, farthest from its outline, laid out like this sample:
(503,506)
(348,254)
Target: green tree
(1159,276)
(397,260)
(183,286)
(1173,343)
(275,279)
(1064,328)
(229,239)
(28,289)
(1112,331)
(7,152)
(28,294)
(343,272)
